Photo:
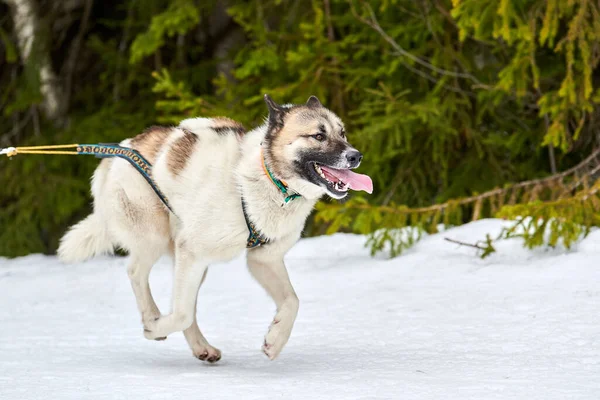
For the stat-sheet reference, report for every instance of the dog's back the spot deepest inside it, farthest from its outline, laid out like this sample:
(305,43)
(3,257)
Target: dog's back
(199,156)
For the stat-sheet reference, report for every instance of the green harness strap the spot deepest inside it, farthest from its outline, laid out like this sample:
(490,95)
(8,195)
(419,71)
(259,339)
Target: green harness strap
(281,185)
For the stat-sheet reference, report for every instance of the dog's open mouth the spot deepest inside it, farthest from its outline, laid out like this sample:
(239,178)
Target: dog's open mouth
(340,180)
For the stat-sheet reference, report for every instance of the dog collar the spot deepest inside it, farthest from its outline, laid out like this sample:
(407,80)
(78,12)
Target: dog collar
(281,185)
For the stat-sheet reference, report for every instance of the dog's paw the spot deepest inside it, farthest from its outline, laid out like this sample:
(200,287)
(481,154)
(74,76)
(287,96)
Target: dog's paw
(208,353)
(148,334)
(276,338)
(149,330)
(149,322)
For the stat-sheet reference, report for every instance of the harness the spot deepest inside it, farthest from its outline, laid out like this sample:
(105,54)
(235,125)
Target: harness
(144,167)
(256,238)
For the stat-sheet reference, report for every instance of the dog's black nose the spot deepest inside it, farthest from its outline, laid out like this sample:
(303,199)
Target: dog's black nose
(354,158)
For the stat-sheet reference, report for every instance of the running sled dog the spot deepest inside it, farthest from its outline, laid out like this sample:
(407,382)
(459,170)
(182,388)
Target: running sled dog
(228,190)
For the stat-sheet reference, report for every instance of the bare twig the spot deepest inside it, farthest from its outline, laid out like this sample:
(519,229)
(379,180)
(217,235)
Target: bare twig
(17,127)
(581,180)
(122,50)
(475,246)
(331,37)
(36,121)
(180,52)
(486,250)
(425,16)
(158,61)
(396,181)
(551,154)
(74,51)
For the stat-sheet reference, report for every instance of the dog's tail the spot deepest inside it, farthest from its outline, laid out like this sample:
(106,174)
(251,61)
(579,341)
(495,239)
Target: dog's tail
(90,237)
(87,239)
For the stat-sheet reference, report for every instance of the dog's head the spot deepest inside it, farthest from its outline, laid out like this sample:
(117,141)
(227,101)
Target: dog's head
(306,146)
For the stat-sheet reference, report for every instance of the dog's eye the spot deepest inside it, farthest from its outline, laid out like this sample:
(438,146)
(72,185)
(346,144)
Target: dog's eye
(319,136)
(343,133)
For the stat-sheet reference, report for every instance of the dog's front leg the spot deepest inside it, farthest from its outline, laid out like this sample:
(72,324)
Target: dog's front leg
(268,269)
(187,277)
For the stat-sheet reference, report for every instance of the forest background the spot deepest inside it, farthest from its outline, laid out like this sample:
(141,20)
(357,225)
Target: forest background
(464,109)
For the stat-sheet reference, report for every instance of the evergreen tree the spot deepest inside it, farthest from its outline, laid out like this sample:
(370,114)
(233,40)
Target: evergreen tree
(453,103)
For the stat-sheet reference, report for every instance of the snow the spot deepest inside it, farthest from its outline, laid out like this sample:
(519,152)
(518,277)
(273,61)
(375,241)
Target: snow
(436,322)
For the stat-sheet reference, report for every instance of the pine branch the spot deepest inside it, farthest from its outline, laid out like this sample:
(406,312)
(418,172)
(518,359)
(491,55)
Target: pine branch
(580,168)
(552,207)
(374,24)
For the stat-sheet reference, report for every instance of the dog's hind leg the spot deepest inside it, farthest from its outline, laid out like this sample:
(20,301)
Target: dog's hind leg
(269,270)
(187,277)
(201,349)
(138,270)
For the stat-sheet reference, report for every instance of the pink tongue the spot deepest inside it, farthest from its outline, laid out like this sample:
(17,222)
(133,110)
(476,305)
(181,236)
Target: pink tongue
(354,180)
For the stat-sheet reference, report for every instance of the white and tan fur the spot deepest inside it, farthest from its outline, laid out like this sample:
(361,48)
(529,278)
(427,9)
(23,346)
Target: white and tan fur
(203,176)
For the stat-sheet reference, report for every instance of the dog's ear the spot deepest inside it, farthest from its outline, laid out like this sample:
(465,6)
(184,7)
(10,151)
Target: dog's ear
(276,112)
(313,102)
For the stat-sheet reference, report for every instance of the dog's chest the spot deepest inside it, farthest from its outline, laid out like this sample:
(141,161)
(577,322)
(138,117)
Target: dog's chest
(280,220)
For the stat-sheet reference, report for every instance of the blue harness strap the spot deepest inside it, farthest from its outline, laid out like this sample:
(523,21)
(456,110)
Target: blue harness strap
(142,165)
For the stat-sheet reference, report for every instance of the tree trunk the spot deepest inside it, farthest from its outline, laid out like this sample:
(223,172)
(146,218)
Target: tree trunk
(33,48)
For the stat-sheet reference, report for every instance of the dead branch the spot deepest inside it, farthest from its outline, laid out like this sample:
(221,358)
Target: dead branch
(74,51)
(475,246)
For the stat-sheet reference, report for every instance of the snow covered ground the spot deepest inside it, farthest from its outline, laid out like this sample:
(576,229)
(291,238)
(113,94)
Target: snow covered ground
(435,323)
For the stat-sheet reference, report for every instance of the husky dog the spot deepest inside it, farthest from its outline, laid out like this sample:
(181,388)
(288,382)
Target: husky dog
(220,182)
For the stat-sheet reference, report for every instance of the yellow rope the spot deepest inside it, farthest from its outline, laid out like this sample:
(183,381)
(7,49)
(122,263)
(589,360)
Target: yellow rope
(54,146)
(19,151)
(13,151)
